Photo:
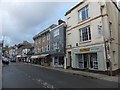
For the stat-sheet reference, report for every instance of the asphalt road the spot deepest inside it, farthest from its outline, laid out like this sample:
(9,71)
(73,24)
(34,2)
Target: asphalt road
(18,75)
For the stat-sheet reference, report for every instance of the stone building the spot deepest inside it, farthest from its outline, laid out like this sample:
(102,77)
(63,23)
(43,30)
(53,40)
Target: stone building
(92,36)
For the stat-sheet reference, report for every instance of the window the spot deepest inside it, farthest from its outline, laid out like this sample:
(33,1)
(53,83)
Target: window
(48,37)
(85,34)
(83,13)
(48,47)
(55,46)
(56,32)
(93,61)
(43,38)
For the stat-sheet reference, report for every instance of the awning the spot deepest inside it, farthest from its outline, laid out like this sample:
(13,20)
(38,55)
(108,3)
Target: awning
(18,55)
(39,56)
(43,55)
(35,56)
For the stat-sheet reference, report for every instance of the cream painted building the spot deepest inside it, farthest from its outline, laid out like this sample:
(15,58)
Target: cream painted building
(92,36)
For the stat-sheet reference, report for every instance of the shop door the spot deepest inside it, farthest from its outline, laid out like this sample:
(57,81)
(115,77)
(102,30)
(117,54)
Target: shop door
(86,60)
(81,61)
(69,59)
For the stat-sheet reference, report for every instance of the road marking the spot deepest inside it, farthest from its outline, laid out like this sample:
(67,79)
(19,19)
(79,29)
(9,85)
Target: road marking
(43,83)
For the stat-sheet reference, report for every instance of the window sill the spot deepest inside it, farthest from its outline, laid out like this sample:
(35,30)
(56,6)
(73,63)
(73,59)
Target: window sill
(84,42)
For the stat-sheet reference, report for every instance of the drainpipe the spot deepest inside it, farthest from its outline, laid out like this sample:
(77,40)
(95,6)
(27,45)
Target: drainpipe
(105,42)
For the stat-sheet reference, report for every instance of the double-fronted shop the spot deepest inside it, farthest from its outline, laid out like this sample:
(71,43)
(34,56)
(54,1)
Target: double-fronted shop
(89,57)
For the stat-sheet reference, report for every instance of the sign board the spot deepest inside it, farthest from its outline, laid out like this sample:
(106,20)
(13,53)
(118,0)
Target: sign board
(85,50)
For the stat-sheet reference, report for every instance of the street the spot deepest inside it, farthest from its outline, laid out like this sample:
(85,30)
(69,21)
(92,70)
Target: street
(19,75)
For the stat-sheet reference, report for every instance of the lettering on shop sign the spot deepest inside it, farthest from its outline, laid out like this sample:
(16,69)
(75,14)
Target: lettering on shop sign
(85,50)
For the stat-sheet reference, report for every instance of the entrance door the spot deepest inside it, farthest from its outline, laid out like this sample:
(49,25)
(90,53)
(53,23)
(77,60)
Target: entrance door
(69,59)
(81,61)
(86,60)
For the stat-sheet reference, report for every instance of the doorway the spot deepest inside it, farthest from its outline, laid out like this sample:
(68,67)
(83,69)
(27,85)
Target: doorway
(86,60)
(70,59)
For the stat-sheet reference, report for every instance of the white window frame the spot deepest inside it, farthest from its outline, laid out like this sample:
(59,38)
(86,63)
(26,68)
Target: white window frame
(56,32)
(82,38)
(81,11)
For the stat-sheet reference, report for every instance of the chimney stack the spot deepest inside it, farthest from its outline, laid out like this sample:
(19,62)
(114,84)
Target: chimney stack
(60,21)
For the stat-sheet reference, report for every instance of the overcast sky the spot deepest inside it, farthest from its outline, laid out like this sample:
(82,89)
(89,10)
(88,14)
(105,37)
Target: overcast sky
(22,20)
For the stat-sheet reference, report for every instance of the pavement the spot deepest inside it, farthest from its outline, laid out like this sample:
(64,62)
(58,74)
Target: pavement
(83,73)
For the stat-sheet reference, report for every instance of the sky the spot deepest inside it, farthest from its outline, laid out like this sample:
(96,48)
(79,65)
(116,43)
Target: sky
(22,19)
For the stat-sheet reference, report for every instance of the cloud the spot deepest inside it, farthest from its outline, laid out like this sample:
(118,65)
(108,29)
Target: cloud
(22,20)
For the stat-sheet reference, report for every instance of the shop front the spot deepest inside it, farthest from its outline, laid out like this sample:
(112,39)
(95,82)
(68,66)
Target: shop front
(57,61)
(35,59)
(45,59)
(91,58)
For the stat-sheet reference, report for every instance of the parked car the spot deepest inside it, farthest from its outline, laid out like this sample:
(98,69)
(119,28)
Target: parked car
(5,60)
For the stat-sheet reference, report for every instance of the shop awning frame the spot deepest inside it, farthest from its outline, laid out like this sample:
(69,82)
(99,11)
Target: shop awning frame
(39,56)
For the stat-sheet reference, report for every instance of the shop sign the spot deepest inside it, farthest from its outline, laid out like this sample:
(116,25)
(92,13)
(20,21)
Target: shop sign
(85,50)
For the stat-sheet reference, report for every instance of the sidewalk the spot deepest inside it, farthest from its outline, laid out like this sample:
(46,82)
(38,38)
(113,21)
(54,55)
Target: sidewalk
(86,74)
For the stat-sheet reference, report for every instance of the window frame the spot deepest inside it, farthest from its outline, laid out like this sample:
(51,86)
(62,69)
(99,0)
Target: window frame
(86,10)
(56,32)
(82,34)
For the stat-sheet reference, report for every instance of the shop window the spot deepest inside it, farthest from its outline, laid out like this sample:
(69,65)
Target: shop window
(93,61)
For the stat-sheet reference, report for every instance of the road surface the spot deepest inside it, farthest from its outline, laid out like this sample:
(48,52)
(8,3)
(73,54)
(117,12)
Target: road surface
(19,75)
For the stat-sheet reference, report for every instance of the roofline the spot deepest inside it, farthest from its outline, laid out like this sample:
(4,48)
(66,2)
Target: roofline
(57,26)
(69,11)
(42,32)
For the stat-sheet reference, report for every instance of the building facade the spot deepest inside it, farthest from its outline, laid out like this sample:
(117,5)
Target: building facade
(57,44)
(92,36)
(42,46)
(13,53)
(22,51)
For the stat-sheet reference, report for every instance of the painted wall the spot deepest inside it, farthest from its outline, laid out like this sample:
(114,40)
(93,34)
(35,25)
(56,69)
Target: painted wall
(99,14)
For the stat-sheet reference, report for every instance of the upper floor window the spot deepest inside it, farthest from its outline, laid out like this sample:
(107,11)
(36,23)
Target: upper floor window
(56,32)
(55,46)
(83,13)
(85,34)
(48,36)
(43,39)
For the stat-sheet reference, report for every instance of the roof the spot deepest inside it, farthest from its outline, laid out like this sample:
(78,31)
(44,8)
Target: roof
(83,2)
(44,31)
(69,11)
